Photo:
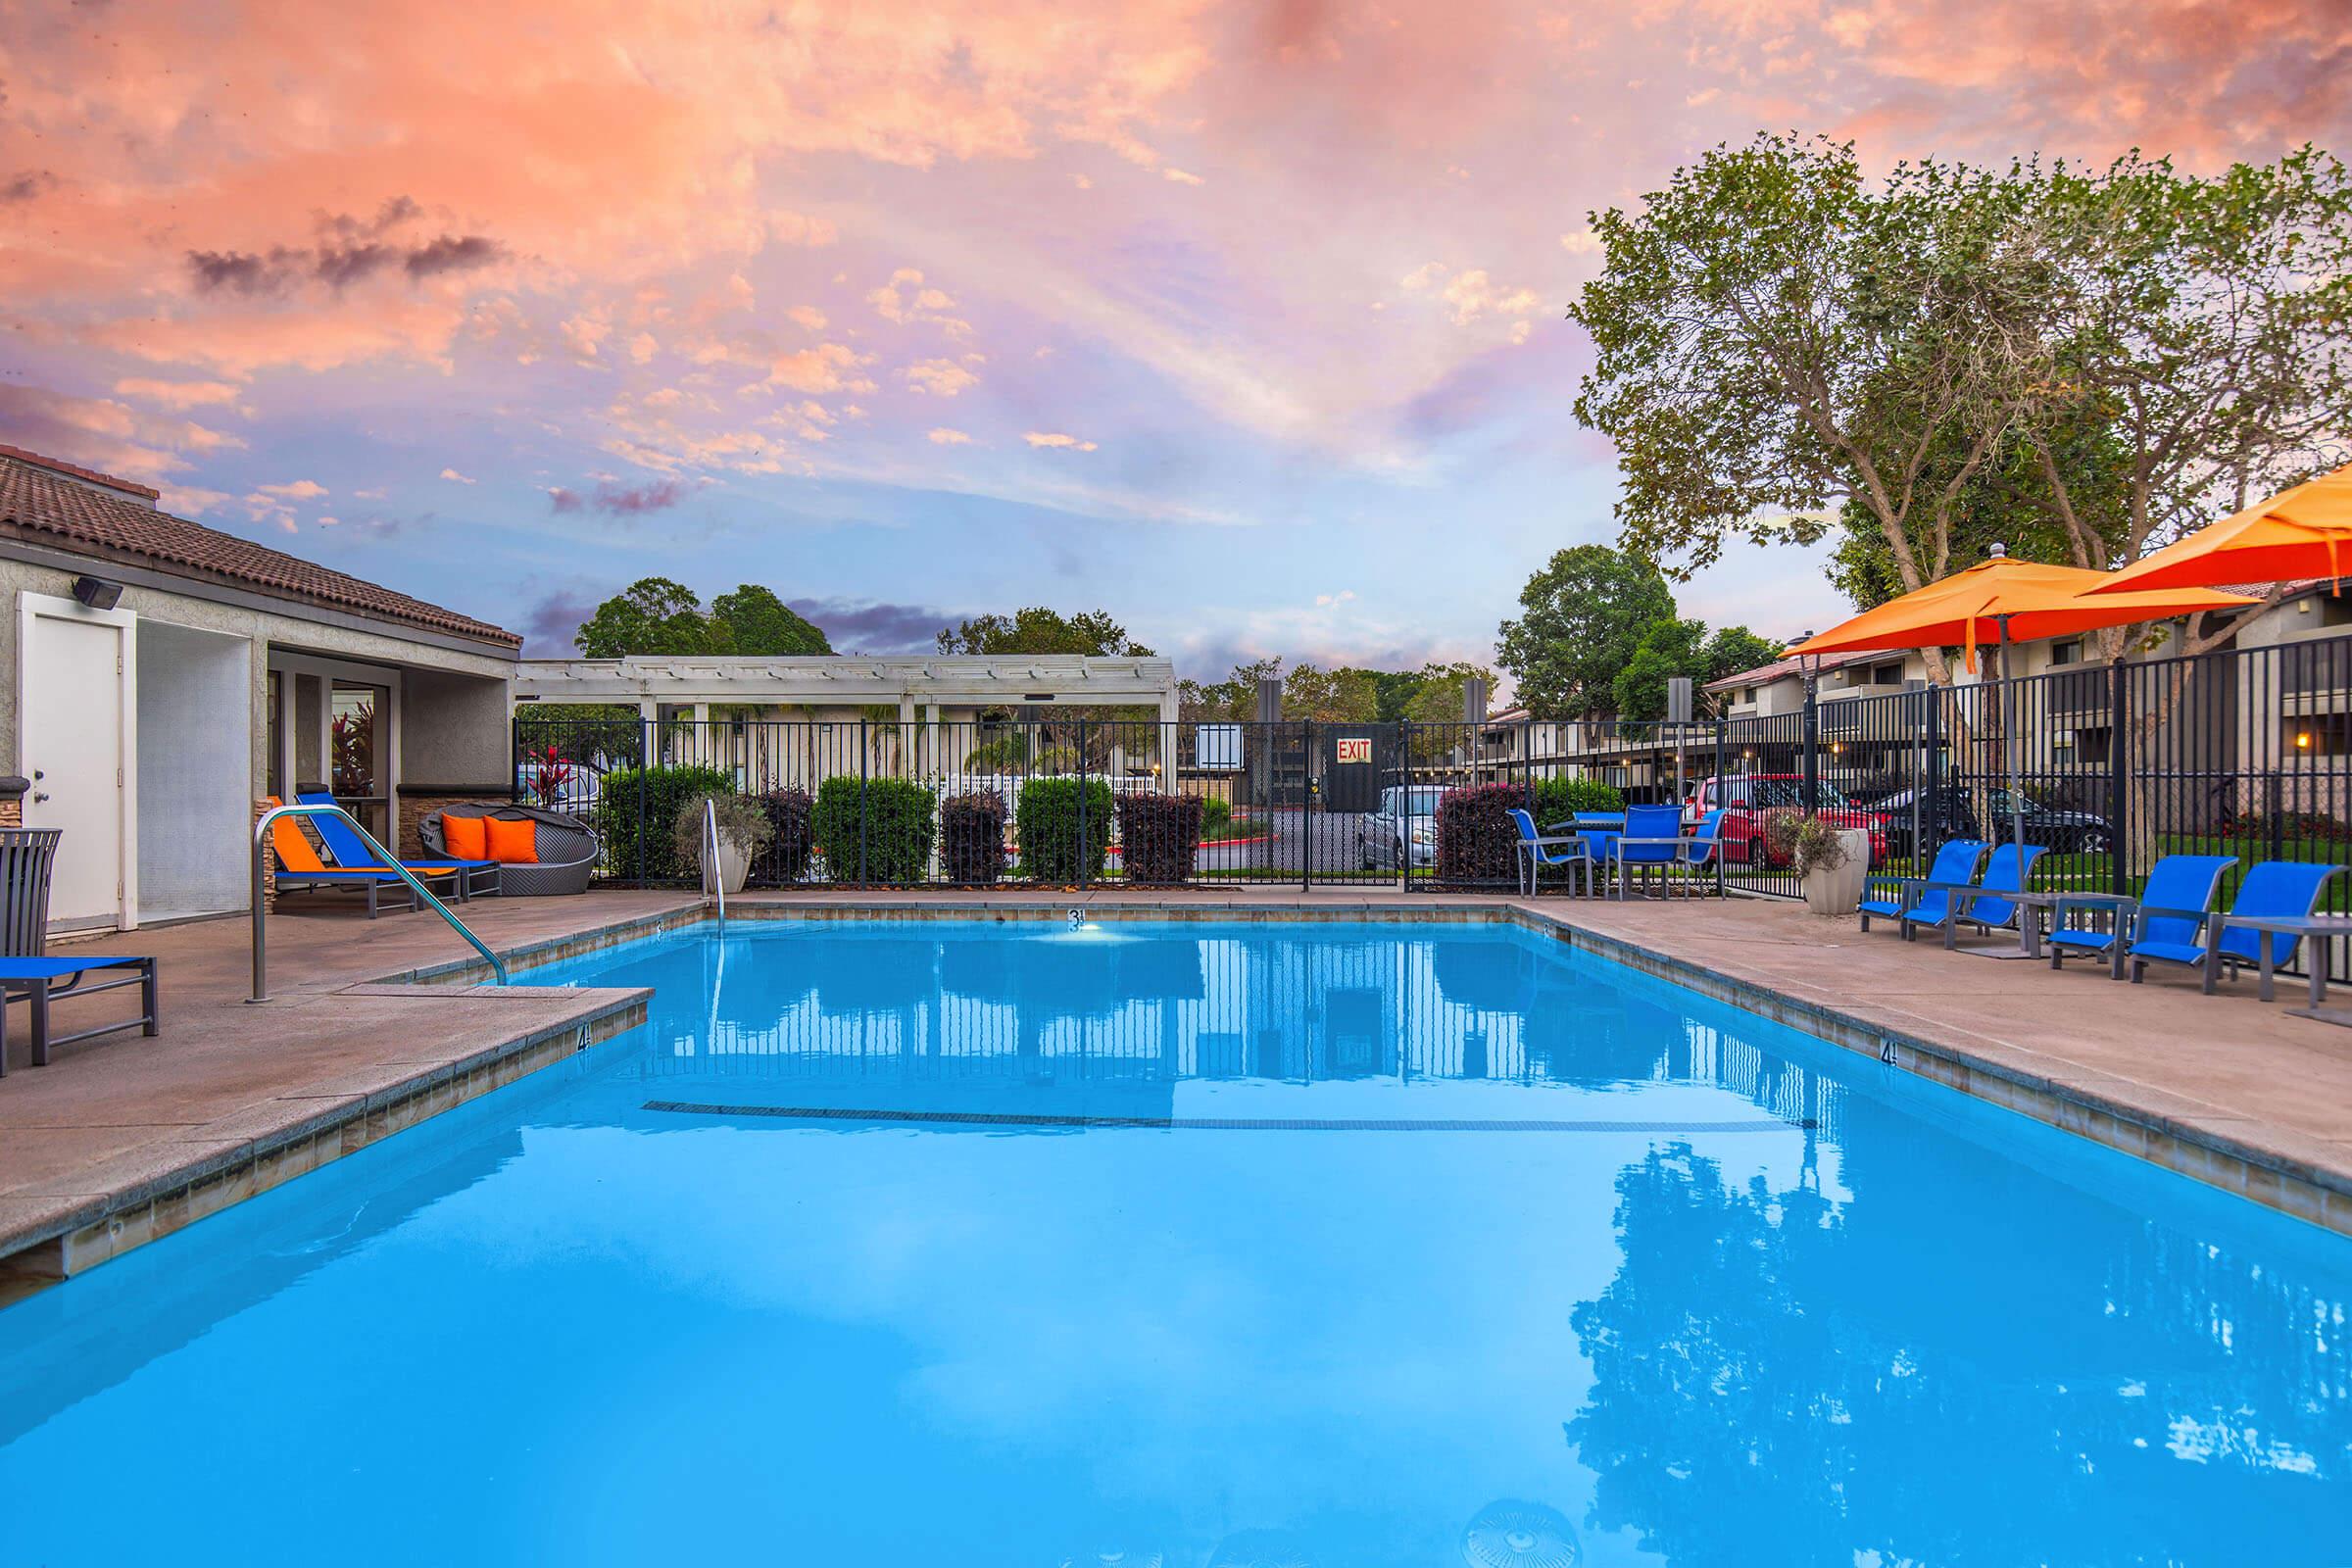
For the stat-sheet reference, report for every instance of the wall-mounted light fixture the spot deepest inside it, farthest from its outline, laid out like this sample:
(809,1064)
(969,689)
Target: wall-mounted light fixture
(97,591)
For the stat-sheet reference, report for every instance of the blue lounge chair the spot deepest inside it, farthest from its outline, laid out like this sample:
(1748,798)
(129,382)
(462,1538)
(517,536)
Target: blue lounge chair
(2165,921)
(1980,905)
(1538,850)
(2275,889)
(1954,865)
(351,855)
(1652,841)
(38,980)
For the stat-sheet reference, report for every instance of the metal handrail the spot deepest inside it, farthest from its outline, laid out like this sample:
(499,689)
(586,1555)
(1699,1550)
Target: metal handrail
(719,876)
(390,861)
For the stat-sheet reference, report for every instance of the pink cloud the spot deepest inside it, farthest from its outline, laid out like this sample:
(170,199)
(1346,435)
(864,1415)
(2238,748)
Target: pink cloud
(698,222)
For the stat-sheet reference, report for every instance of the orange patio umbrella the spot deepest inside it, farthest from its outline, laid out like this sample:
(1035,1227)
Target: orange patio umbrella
(2003,601)
(2302,532)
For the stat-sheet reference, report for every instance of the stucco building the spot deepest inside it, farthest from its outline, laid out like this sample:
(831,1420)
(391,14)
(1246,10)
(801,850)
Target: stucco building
(158,677)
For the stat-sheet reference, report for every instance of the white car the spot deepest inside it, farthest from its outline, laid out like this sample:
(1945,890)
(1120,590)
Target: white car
(1404,829)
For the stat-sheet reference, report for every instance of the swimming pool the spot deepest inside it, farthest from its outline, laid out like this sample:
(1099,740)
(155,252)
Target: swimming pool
(1195,1244)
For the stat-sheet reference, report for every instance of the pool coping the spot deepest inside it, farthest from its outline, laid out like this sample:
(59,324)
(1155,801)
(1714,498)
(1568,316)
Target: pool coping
(46,1237)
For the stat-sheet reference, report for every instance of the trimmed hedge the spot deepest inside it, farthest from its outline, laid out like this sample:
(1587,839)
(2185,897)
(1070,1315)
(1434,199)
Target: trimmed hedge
(1160,836)
(1048,827)
(1558,798)
(633,798)
(1477,839)
(875,830)
(971,837)
(788,813)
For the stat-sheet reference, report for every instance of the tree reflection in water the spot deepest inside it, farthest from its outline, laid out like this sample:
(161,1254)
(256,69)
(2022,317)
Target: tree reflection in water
(2046,1378)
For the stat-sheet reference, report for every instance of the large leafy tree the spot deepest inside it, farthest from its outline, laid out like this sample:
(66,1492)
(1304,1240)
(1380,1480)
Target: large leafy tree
(2199,337)
(1775,337)
(1677,647)
(653,615)
(757,622)
(1040,630)
(1581,618)
(1330,696)
(1439,692)
(656,616)
(2203,339)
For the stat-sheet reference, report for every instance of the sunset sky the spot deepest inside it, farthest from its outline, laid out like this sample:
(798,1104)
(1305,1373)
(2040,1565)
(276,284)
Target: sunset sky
(1244,323)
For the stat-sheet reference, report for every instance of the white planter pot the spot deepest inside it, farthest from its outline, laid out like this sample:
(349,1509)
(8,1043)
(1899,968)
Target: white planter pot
(734,864)
(1839,892)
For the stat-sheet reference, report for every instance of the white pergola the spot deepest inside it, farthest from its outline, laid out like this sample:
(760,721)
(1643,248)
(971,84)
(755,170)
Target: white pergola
(918,685)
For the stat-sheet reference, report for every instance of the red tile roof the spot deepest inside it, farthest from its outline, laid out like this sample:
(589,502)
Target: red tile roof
(36,501)
(77,471)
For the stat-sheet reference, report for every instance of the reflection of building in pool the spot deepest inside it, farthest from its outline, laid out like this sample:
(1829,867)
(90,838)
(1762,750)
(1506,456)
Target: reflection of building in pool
(1103,1005)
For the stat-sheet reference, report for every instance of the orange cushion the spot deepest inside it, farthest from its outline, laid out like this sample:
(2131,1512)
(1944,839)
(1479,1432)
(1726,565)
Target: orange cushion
(467,838)
(294,852)
(512,843)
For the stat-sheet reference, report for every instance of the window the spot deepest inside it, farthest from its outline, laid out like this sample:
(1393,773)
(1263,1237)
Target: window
(2069,652)
(1886,675)
(357,732)
(2317,735)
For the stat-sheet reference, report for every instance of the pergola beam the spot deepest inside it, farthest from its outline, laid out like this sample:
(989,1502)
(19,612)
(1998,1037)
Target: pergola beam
(837,681)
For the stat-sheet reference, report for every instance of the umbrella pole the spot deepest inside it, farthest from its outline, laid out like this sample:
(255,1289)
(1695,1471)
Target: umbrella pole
(2009,744)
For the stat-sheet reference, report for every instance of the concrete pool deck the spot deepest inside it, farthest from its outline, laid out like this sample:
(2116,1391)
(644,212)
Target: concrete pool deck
(128,1138)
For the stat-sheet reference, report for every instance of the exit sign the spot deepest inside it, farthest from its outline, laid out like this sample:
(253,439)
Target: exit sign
(1355,749)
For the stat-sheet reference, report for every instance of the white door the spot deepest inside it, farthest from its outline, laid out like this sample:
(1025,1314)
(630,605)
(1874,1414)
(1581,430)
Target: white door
(72,743)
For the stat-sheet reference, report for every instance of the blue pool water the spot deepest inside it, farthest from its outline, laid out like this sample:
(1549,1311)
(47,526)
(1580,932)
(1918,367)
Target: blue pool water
(1202,1247)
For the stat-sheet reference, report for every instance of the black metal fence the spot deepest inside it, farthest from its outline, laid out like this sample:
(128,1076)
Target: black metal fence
(2245,752)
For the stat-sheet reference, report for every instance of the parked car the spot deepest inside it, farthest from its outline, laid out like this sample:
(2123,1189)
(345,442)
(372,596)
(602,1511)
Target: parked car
(558,785)
(1745,799)
(1951,813)
(1403,825)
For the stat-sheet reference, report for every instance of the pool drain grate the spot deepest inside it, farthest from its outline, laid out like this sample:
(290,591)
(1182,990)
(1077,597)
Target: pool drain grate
(1247,1124)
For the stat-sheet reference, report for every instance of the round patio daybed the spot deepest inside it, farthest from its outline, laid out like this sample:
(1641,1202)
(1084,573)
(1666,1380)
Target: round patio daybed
(568,849)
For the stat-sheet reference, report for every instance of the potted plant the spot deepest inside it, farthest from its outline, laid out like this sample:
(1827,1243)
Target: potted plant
(744,830)
(1830,860)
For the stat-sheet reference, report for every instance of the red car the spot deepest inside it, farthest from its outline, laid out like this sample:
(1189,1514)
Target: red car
(1747,797)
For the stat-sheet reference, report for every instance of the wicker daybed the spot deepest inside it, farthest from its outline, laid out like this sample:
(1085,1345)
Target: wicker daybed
(568,849)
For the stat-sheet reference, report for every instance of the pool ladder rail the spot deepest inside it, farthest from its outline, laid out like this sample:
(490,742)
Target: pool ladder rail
(385,857)
(711,867)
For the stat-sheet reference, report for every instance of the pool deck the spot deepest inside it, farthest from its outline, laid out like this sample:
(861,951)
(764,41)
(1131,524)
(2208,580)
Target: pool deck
(126,1137)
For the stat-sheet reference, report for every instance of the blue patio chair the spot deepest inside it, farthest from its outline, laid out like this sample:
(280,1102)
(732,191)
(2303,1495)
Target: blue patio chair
(350,854)
(1538,850)
(2167,920)
(1702,851)
(1954,865)
(1980,905)
(26,856)
(1652,841)
(2289,889)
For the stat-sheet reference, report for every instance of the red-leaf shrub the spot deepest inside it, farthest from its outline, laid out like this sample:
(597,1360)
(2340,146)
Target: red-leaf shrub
(1476,837)
(971,837)
(1159,835)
